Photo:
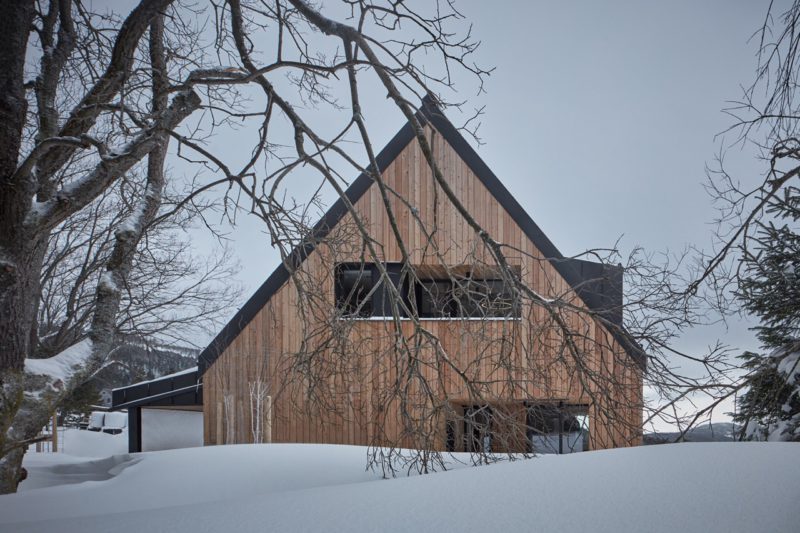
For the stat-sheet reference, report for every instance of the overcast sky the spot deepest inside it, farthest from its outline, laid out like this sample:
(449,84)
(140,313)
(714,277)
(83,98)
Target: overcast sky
(600,118)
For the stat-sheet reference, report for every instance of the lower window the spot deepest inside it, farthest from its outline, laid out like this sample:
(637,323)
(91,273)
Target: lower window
(557,428)
(478,429)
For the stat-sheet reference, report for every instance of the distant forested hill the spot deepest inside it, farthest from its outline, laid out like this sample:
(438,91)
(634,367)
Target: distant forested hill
(717,432)
(135,361)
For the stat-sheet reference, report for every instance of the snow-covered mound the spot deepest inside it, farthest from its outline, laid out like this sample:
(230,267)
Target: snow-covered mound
(82,443)
(284,487)
(70,464)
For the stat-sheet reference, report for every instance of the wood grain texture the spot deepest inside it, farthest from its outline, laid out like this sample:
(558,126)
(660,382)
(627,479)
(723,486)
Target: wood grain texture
(353,402)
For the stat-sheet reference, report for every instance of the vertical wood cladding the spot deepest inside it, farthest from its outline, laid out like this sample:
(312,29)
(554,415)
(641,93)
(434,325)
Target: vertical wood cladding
(349,406)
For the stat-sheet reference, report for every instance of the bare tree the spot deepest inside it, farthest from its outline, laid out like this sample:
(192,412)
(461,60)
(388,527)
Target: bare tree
(39,192)
(104,107)
(101,105)
(170,295)
(704,287)
(260,401)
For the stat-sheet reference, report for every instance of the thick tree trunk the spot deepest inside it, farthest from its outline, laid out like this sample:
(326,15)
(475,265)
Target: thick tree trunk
(16,18)
(31,411)
(19,255)
(17,320)
(107,303)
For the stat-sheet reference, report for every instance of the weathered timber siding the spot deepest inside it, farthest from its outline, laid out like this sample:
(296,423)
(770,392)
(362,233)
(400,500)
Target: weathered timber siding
(343,407)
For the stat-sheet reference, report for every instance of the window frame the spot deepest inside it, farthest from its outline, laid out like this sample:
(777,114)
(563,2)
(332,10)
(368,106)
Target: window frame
(457,307)
(560,415)
(348,309)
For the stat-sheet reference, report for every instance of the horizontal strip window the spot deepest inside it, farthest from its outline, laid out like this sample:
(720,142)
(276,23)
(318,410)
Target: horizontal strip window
(361,293)
(436,319)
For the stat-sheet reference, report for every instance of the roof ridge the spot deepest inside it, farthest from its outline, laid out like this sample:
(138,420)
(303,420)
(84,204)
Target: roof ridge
(429,112)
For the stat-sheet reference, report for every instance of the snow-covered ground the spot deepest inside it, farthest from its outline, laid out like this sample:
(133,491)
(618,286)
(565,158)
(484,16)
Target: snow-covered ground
(82,443)
(677,487)
(72,464)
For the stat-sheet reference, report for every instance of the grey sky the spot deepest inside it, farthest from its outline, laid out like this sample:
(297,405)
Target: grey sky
(600,119)
(614,108)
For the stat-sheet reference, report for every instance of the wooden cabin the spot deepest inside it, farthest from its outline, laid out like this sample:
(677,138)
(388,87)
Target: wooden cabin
(319,355)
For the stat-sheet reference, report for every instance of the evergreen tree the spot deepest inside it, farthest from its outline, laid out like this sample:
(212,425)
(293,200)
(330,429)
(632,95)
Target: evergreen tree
(770,289)
(82,399)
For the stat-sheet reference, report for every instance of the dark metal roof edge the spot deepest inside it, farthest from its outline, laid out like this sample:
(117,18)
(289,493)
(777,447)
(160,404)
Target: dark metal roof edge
(157,397)
(629,344)
(154,397)
(500,192)
(282,273)
(563,265)
(168,377)
(428,112)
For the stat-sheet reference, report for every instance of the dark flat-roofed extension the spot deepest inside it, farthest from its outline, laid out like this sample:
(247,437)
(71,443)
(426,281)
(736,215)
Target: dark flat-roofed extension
(179,389)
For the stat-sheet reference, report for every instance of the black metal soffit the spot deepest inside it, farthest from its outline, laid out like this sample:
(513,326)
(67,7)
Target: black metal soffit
(186,386)
(157,400)
(428,113)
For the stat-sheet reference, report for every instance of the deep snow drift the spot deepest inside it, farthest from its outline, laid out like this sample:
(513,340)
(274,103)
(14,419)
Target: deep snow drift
(283,487)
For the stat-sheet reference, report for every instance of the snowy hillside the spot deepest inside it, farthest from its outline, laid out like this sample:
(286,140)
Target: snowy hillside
(676,487)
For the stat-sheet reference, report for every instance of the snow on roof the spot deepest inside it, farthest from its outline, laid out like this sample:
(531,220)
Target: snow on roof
(61,366)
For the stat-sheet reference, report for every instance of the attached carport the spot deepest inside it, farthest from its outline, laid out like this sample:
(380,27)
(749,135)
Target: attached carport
(163,413)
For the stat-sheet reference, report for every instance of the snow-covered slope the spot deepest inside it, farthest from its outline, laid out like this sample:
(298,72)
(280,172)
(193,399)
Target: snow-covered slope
(678,487)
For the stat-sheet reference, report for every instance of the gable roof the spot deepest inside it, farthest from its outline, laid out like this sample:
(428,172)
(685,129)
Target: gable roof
(601,296)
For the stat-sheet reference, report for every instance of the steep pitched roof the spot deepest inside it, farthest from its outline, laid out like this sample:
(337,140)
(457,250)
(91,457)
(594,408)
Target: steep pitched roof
(600,296)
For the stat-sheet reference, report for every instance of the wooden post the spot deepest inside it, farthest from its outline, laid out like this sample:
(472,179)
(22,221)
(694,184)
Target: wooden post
(219,438)
(134,429)
(268,419)
(55,431)
(240,431)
